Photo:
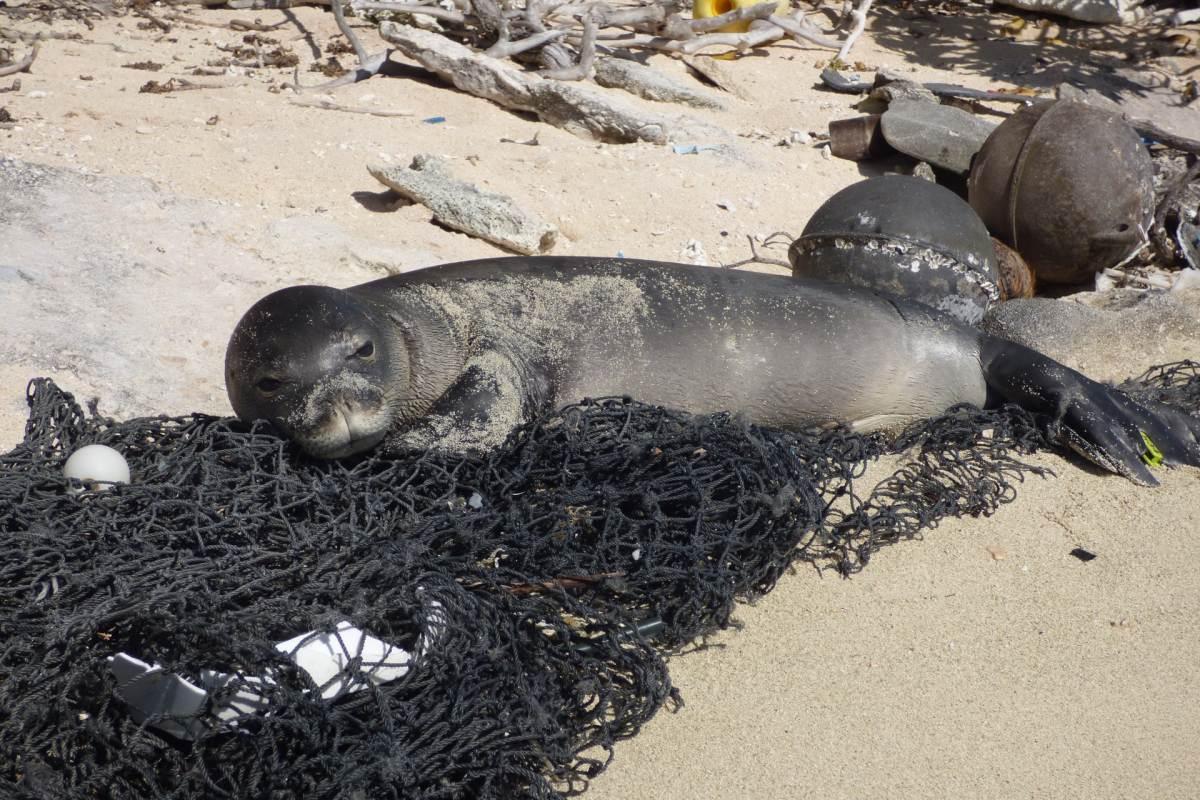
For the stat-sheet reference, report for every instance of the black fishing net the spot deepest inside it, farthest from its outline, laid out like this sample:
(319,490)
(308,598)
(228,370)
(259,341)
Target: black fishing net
(537,591)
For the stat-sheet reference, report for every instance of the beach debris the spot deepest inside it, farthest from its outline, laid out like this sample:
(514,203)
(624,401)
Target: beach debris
(716,73)
(777,240)
(530,142)
(1016,278)
(922,170)
(997,553)
(329,105)
(693,149)
(695,253)
(583,110)
(944,136)
(369,64)
(1083,555)
(621,73)
(96,467)
(1039,187)
(22,65)
(906,236)
(466,208)
(1105,11)
(1186,16)
(858,138)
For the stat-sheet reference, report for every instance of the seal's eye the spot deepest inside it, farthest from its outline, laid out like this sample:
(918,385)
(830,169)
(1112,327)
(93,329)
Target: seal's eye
(366,351)
(269,385)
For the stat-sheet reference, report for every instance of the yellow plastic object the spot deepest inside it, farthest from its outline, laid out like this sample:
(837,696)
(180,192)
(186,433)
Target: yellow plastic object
(1153,456)
(703,9)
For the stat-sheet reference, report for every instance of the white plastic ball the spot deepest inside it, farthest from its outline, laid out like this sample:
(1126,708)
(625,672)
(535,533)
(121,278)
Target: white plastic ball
(96,462)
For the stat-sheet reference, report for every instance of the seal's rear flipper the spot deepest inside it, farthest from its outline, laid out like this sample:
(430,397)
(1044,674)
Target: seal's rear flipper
(1099,422)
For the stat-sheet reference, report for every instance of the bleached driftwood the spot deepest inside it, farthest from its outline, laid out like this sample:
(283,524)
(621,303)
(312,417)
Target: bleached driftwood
(581,109)
(329,105)
(24,64)
(369,64)
(1109,11)
(859,17)
(621,73)
(567,52)
(465,207)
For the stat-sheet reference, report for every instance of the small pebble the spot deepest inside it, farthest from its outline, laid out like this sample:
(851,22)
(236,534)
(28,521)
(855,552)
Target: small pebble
(37,94)
(144,129)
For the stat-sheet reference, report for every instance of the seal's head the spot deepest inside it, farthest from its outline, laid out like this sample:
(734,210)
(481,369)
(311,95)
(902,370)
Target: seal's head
(315,362)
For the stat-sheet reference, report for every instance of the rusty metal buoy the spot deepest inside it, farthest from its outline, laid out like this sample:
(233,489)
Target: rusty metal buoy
(905,236)
(1068,185)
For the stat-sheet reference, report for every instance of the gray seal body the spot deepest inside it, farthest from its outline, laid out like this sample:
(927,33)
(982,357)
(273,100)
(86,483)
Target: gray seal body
(455,356)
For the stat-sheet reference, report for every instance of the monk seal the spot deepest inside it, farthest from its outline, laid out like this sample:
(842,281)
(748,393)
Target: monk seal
(455,356)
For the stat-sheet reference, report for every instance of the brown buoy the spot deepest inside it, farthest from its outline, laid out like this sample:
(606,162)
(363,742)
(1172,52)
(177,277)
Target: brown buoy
(1068,185)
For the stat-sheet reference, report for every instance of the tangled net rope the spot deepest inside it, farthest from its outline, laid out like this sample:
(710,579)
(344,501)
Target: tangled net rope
(525,585)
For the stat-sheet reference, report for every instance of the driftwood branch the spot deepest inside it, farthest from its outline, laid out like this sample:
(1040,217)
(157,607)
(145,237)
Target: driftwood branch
(759,34)
(581,109)
(24,64)
(437,12)
(859,18)
(799,30)
(587,57)
(508,49)
(369,64)
(329,105)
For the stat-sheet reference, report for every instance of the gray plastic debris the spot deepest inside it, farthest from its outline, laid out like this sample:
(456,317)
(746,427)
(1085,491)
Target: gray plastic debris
(944,136)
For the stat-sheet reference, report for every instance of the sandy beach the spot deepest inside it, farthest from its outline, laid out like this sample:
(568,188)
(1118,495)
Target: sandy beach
(982,661)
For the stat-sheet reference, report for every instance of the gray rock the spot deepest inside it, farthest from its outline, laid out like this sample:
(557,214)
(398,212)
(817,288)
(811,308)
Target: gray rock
(465,207)
(893,88)
(1109,335)
(945,136)
(647,82)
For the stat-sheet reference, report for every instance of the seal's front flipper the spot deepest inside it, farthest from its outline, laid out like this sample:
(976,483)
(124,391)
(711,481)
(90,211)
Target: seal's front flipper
(1099,422)
(494,394)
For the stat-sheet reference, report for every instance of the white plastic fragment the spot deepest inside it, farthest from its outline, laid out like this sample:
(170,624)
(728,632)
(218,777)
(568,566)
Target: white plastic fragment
(177,706)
